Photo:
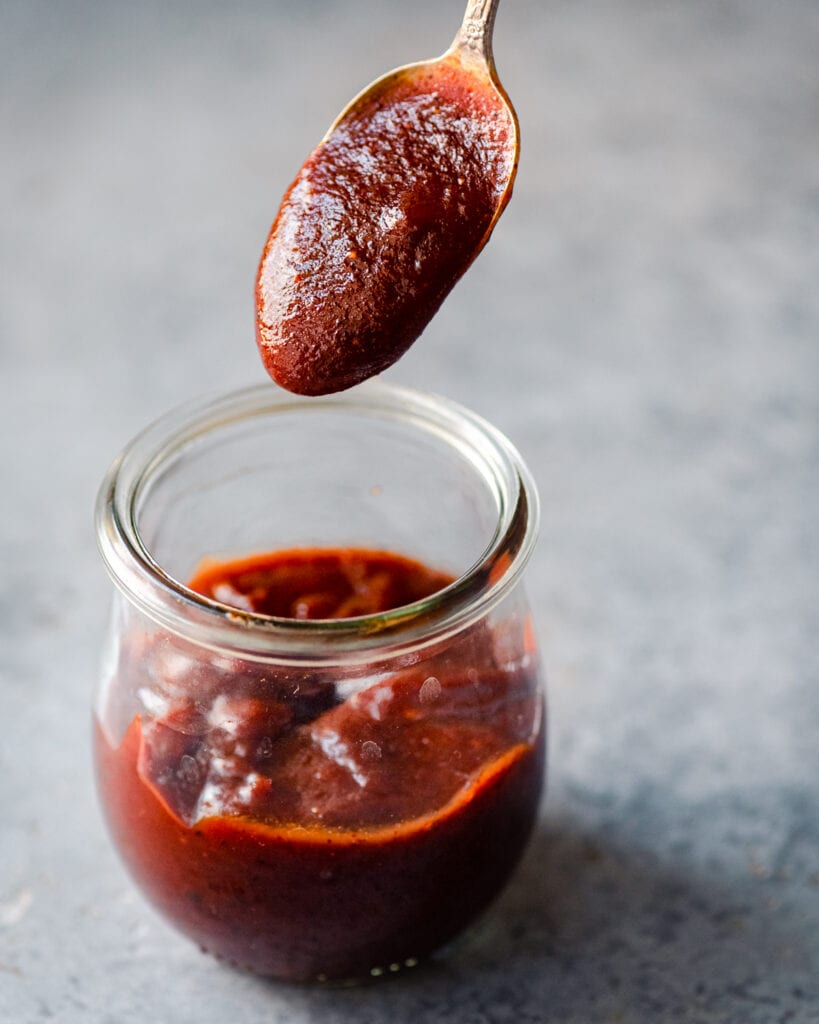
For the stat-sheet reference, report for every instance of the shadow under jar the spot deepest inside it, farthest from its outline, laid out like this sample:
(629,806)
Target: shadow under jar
(320,799)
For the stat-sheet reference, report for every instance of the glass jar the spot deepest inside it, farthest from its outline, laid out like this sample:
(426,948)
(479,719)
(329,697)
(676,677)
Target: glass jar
(400,754)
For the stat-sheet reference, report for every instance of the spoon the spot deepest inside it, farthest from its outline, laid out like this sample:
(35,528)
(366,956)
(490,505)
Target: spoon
(386,214)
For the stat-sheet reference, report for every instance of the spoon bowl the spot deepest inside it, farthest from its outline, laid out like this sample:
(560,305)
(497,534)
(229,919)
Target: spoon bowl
(386,215)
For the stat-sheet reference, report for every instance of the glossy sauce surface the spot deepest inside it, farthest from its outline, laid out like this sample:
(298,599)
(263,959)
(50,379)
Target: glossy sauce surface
(384,217)
(304,835)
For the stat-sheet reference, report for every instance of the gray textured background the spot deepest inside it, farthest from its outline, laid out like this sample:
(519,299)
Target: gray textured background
(644,325)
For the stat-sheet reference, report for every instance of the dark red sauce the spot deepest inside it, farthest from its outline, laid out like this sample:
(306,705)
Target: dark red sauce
(319,584)
(303,835)
(382,220)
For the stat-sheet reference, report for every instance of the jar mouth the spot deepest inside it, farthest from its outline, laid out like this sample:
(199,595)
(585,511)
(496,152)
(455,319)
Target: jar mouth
(174,606)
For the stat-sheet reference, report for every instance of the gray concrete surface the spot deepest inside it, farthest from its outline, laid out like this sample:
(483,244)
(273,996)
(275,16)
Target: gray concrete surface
(645,325)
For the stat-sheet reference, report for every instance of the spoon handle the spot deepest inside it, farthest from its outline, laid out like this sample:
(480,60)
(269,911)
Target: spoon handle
(474,38)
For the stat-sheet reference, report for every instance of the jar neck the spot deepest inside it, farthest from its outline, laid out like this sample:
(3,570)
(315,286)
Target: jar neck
(172,606)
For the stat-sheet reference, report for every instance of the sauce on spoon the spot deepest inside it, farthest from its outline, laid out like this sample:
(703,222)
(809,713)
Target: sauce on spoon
(386,215)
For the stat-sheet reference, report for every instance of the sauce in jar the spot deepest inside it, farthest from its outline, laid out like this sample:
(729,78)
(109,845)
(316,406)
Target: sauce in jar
(315,831)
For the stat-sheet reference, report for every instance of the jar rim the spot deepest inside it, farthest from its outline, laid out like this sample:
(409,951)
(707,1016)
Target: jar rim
(174,606)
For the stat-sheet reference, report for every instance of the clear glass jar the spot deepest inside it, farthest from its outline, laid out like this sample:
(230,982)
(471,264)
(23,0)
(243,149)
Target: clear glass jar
(401,752)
